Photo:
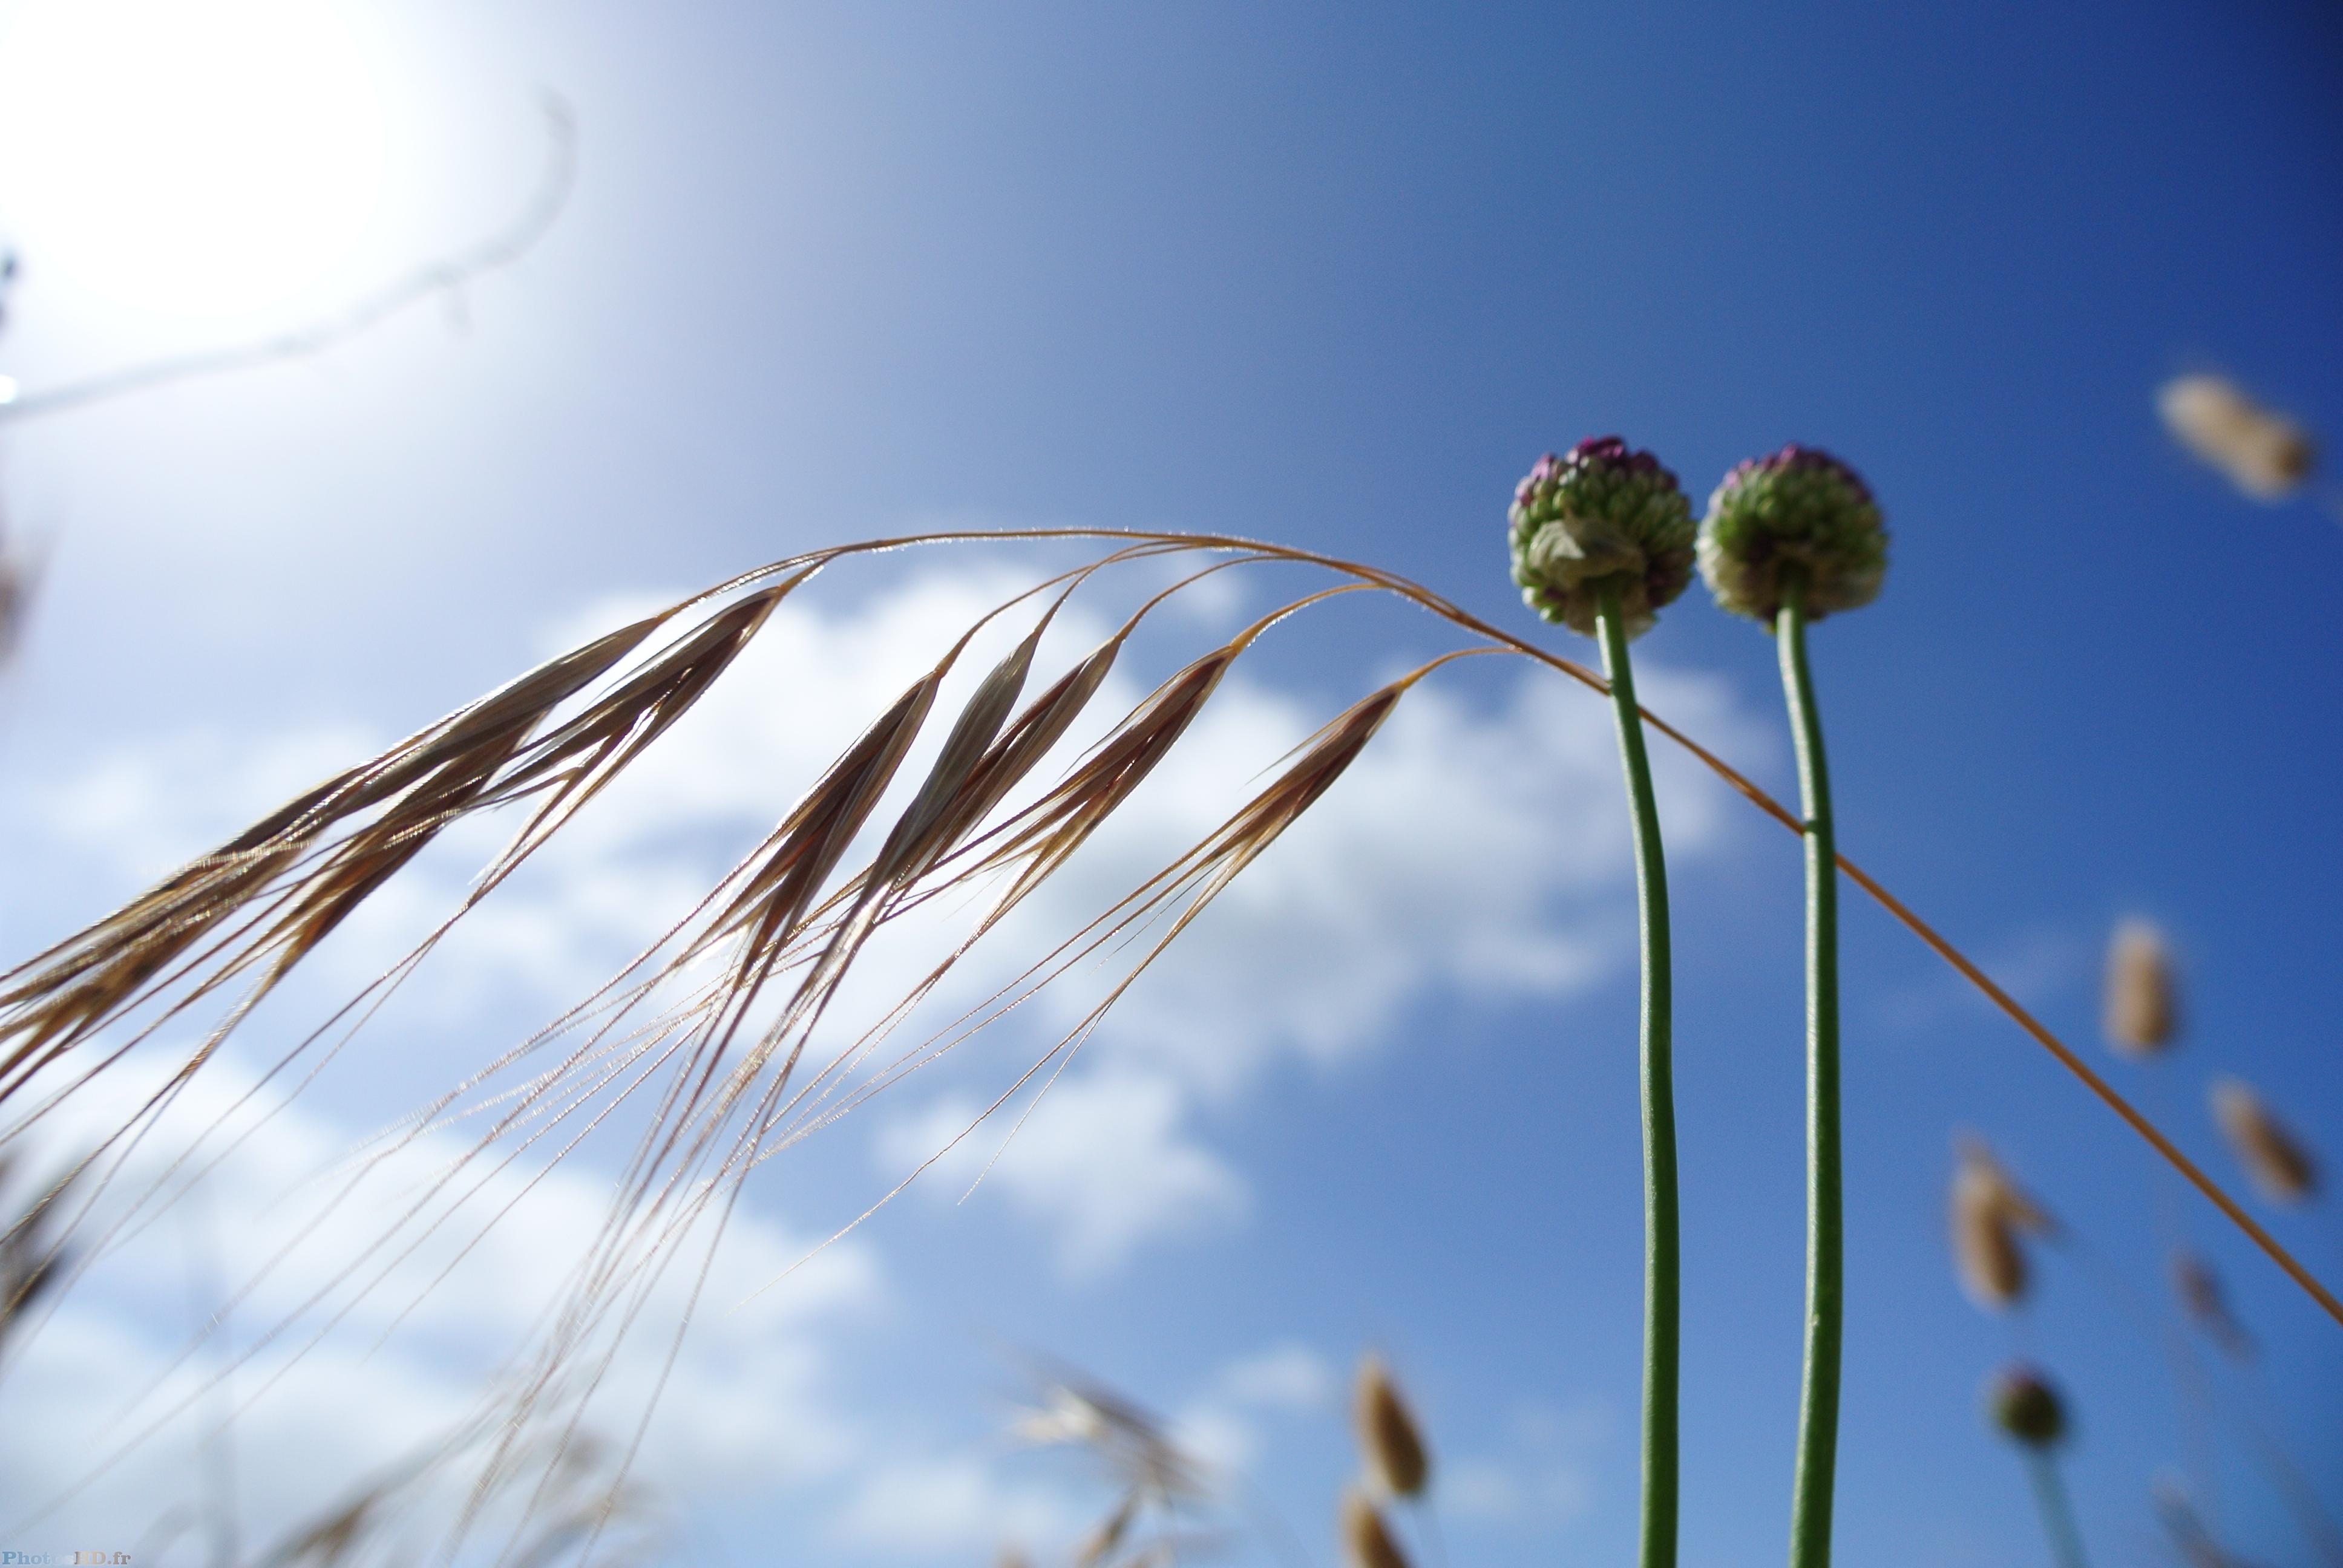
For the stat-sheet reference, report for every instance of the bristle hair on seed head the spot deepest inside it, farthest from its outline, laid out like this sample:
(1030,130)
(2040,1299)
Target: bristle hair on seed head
(2279,1163)
(2143,991)
(1367,1541)
(1398,1464)
(1987,1212)
(2265,454)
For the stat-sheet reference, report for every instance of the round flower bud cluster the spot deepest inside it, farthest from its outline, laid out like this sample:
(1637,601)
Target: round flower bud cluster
(1604,515)
(1797,512)
(2021,1401)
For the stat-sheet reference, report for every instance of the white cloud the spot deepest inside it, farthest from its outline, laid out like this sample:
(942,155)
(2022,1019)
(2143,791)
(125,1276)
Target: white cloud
(1542,1474)
(937,1508)
(416,1336)
(1105,1162)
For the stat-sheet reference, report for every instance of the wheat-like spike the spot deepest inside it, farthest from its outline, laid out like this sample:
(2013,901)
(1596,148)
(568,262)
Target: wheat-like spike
(2264,452)
(2143,993)
(1367,1541)
(1398,1464)
(1985,1216)
(2278,1162)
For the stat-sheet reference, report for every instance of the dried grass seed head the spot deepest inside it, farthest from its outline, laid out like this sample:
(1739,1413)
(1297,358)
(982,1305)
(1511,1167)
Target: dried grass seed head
(2279,1163)
(1604,515)
(1367,1541)
(2143,991)
(1798,513)
(1987,1253)
(1398,1464)
(2262,452)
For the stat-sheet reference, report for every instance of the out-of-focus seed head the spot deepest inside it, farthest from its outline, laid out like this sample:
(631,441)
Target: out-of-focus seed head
(2262,452)
(2278,1162)
(2206,1305)
(1367,1541)
(1602,514)
(1985,1251)
(1397,1463)
(2020,1400)
(1796,512)
(2143,992)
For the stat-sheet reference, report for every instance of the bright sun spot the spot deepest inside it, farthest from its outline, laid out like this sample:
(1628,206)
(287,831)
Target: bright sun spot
(192,159)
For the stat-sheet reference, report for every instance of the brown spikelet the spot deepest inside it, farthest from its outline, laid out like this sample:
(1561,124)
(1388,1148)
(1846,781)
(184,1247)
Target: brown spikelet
(2143,1006)
(1100,1543)
(1397,1464)
(2272,1155)
(1985,1221)
(2207,1305)
(1366,1540)
(2264,452)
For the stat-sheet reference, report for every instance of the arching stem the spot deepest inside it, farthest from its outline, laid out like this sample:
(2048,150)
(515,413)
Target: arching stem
(1661,1266)
(1810,1510)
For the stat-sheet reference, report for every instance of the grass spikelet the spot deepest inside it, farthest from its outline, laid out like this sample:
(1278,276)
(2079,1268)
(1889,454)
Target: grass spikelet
(1398,1464)
(1367,1541)
(1987,1212)
(2143,999)
(2277,1161)
(2207,1304)
(2265,454)
(1100,1543)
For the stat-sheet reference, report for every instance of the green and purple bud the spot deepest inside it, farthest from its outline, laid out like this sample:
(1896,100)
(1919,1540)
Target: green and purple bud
(1798,512)
(2021,1401)
(1603,514)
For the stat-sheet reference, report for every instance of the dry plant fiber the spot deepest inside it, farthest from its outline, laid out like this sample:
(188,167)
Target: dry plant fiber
(1397,1463)
(2264,452)
(1366,1541)
(1988,1212)
(2272,1155)
(2143,999)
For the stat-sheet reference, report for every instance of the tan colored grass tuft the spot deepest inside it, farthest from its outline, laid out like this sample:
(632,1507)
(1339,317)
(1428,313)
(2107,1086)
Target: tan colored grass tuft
(1398,1466)
(2276,1161)
(1367,1541)
(2264,452)
(2143,993)
(1989,1211)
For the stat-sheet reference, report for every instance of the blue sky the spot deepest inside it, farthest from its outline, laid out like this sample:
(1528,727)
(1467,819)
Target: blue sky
(1333,276)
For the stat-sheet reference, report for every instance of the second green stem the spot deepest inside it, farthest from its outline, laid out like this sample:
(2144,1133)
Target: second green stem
(1662,1264)
(1810,1511)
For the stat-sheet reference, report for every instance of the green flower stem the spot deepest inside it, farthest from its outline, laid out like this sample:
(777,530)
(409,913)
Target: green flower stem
(1810,1511)
(1662,1265)
(2057,1516)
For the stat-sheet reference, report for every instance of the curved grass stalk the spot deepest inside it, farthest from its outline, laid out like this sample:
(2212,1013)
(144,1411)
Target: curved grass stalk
(1810,1513)
(1663,1266)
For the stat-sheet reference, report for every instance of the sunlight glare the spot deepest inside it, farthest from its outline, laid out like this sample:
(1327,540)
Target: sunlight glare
(191,160)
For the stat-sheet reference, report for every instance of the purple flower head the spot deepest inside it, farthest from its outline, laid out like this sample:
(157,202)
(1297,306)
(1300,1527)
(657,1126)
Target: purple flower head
(1793,520)
(1603,518)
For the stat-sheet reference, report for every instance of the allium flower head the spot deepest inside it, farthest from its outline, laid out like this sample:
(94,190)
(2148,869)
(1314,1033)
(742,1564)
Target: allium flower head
(1602,514)
(1797,510)
(2021,1401)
